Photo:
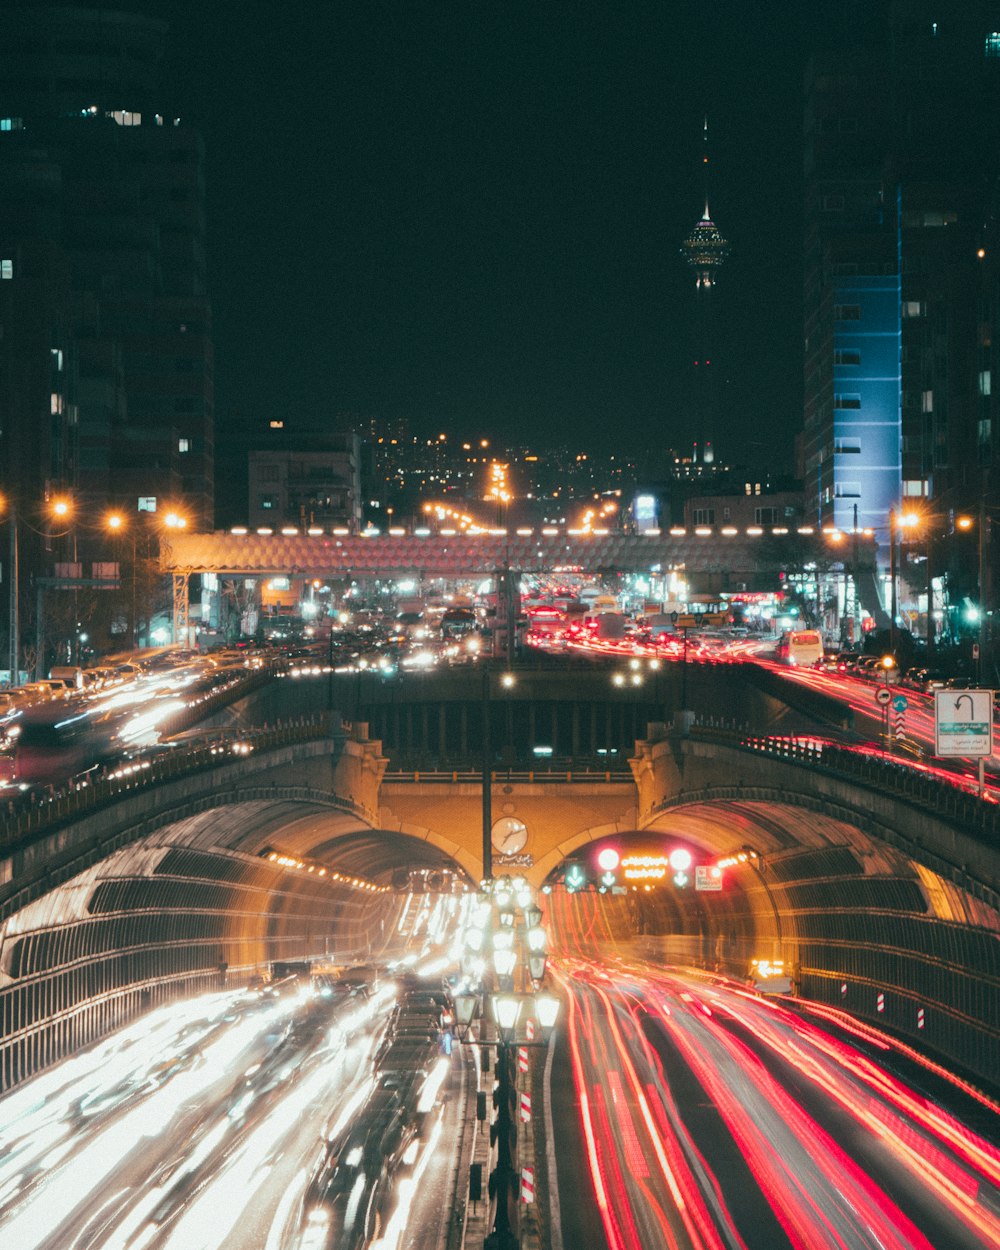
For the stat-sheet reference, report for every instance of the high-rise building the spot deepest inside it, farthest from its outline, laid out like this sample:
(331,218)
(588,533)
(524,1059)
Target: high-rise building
(106,361)
(901,170)
(705,250)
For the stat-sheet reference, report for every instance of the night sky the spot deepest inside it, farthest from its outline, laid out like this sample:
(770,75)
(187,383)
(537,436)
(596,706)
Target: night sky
(470,214)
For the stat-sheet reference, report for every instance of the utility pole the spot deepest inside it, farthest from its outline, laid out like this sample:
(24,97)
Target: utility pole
(13,600)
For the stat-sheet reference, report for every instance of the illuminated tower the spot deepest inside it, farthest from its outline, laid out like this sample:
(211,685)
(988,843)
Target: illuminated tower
(705,250)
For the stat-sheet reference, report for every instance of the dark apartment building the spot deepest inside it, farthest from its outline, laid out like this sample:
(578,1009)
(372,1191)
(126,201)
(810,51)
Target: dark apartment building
(106,366)
(304,478)
(901,175)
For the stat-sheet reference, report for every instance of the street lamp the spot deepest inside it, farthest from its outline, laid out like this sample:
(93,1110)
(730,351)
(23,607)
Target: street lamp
(897,521)
(13,602)
(507,1007)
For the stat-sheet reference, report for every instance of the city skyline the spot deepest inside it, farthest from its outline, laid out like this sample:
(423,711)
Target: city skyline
(473,221)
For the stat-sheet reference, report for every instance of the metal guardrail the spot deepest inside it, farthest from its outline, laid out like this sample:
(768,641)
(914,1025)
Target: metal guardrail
(952,800)
(523,776)
(31,814)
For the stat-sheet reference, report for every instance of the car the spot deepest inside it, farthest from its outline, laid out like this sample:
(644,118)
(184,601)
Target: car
(925,680)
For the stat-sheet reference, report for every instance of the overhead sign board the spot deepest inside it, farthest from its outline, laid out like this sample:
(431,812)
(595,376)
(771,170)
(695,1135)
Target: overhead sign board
(644,867)
(707,877)
(963,723)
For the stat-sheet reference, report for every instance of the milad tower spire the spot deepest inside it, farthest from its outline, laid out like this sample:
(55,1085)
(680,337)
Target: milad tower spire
(705,250)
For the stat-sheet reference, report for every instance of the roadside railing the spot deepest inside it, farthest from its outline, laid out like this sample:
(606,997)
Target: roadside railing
(529,776)
(38,810)
(949,797)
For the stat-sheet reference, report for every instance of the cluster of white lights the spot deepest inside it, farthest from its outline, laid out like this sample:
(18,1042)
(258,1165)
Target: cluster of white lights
(301,865)
(740,857)
(468,526)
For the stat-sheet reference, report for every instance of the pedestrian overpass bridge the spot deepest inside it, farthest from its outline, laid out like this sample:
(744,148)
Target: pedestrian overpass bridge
(880,888)
(712,559)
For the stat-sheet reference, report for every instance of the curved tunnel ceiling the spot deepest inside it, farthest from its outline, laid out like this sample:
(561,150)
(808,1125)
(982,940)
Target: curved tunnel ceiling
(342,842)
(337,839)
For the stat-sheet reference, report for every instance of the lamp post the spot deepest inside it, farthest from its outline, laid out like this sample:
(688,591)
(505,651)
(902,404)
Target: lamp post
(498,909)
(13,601)
(487,777)
(888,663)
(897,521)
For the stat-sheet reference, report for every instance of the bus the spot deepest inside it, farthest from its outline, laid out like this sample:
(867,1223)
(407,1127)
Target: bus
(802,648)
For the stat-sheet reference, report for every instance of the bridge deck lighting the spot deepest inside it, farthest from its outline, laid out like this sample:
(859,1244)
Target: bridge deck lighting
(289,531)
(729,531)
(238,529)
(779,529)
(677,531)
(754,531)
(265,531)
(703,531)
(314,531)
(805,529)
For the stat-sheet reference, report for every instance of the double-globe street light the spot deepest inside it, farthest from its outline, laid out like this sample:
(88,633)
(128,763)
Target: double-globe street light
(506,926)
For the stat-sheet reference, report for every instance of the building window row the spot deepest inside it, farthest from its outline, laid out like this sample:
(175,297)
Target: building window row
(847,401)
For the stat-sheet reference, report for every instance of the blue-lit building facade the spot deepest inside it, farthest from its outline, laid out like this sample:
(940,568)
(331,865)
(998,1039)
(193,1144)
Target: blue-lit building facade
(859,479)
(901,141)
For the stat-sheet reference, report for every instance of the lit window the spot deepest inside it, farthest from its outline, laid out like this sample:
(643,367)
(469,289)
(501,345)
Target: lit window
(913,308)
(6,269)
(55,403)
(267,501)
(915,488)
(276,425)
(985,430)
(57,359)
(11,123)
(992,48)
(125,118)
(147,503)
(985,382)
(183,445)
(927,401)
